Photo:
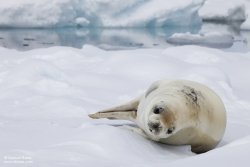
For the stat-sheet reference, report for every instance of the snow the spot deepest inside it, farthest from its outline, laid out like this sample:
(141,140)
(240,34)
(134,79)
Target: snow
(211,39)
(98,13)
(46,95)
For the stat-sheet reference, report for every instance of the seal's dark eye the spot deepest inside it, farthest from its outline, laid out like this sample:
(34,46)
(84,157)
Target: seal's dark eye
(158,110)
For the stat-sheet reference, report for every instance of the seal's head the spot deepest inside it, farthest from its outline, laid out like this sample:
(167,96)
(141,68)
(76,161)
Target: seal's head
(162,120)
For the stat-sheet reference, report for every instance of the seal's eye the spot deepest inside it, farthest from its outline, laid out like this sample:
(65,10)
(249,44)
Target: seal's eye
(158,110)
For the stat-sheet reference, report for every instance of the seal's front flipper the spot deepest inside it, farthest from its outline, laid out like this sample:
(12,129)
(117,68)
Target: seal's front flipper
(126,111)
(124,115)
(198,149)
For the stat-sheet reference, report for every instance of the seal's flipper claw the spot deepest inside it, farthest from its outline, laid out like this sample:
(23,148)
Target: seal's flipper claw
(94,116)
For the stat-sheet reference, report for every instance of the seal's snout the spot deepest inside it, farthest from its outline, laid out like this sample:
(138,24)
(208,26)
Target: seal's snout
(154,127)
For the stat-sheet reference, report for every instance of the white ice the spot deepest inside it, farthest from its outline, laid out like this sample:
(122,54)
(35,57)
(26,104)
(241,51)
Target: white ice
(46,94)
(211,39)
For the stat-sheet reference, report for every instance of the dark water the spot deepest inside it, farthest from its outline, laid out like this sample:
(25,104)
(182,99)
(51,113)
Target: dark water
(27,39)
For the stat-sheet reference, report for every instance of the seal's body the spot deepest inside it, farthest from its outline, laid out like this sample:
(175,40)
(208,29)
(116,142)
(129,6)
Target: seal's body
(177,112)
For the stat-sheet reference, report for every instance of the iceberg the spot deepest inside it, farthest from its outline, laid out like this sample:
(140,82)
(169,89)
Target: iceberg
(229,11)
(120,13)
(210,39)
(99,13)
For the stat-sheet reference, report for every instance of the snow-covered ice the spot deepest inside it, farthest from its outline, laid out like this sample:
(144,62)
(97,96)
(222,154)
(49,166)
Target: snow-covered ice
(211,39)
(46,95)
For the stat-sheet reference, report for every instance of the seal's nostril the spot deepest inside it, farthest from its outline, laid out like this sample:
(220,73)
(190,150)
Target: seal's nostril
(155,126)
(150,130)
